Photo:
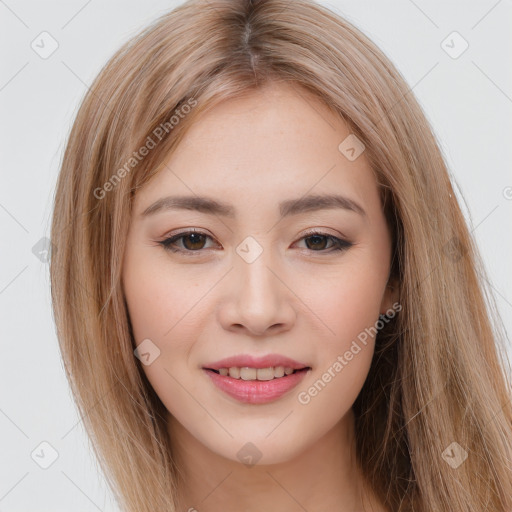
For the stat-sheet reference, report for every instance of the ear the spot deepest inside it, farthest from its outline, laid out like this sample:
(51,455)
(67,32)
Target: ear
(390,296)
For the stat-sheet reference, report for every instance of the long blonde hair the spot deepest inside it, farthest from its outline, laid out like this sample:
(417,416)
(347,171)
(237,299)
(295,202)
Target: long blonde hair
(438,376)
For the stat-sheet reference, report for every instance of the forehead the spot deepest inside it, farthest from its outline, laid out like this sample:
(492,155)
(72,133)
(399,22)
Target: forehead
(275,143)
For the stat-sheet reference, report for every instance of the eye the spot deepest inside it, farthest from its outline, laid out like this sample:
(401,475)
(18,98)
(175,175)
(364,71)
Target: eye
(194,242)
(317,242)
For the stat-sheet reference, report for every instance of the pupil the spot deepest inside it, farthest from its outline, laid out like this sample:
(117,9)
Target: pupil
(316,238)
(197,240)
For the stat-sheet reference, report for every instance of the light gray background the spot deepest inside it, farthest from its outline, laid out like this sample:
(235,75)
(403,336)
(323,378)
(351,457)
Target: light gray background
(467,100)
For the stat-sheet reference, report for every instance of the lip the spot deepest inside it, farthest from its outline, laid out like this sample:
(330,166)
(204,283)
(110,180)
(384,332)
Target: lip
(249,361)
(255,391)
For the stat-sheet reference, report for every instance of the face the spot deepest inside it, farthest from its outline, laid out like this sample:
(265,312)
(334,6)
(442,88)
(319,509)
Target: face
(267,274)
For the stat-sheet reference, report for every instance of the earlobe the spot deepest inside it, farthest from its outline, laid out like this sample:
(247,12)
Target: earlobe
(390,297)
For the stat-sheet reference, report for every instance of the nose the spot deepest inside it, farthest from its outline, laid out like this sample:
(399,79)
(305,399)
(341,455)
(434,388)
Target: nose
(258,300)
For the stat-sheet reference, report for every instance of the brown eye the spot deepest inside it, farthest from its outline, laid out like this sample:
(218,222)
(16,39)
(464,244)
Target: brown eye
(318,242)
(191,241)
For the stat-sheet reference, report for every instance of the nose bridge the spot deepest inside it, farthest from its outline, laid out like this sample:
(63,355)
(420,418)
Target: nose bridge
(257,282)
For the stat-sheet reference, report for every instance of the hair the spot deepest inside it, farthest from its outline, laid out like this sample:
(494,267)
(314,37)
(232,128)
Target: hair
(438,375)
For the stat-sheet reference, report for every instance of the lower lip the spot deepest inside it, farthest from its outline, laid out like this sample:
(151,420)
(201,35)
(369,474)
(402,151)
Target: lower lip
(256,391)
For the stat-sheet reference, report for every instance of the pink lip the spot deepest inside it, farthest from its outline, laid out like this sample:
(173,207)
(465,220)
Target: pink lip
(254,391)
(256,362)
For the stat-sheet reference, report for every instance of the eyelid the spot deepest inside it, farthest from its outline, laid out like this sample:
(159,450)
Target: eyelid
(321,231)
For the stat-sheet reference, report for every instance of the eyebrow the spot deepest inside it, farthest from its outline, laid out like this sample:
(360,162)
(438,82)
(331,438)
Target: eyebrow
(286,208)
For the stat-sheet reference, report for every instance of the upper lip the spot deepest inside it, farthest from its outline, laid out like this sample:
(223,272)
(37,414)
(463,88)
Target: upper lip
(245,360)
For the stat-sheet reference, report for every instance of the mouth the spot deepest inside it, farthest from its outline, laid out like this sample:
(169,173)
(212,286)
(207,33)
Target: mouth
(255,379)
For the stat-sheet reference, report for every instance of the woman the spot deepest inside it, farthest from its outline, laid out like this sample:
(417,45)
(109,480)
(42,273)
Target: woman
(266,293)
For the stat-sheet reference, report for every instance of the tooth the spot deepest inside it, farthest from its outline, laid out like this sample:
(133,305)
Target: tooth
(234,372)
(262,374)
(265,373)
(279,371)
(247,373)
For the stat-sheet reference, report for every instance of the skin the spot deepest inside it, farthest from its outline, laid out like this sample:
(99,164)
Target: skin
(299,298)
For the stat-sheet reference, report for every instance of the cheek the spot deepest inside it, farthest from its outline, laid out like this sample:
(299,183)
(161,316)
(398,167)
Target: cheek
(350,311)
(148,296)
(168,307)
(163,312)
(156,304)
(161,301)
(347,302)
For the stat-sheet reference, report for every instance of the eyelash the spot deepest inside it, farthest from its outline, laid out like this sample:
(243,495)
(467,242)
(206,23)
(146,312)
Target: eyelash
(339,244)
